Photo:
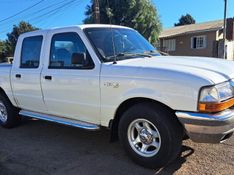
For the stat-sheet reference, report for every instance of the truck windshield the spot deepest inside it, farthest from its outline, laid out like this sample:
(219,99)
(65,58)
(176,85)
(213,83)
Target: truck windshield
(119,43)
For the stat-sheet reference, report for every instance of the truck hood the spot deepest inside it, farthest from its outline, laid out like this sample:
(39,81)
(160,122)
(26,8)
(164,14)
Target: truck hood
(212,69)
(5,65)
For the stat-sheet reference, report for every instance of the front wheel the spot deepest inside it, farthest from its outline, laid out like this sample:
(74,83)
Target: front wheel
(151,135)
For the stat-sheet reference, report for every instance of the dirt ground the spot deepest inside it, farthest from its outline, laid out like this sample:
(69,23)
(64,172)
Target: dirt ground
(41,148)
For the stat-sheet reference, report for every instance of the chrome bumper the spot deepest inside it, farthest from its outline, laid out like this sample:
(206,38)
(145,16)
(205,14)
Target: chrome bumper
(208,128)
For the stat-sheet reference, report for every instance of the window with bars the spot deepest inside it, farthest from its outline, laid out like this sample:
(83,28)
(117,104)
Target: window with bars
(198,42)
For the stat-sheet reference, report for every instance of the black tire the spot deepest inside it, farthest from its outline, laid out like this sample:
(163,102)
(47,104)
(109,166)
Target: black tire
(169,128)
(12,118)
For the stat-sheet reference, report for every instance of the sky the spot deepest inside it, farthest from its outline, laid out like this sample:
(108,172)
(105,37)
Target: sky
(71,12)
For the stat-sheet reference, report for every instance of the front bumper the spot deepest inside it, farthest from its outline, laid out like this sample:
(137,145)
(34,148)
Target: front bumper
(208,128)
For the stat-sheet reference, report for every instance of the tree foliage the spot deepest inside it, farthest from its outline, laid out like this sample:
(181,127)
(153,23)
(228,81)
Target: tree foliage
(13,36)
(139,14)
(2,46)
(185,20)
(2,50)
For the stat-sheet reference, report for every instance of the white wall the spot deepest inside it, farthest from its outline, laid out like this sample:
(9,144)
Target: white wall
(230,50)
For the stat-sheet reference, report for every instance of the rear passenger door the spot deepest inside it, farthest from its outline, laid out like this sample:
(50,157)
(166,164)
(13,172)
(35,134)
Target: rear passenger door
(70,78)
(26,73)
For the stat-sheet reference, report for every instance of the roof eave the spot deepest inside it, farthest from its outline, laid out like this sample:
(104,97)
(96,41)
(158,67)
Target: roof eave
(191,32)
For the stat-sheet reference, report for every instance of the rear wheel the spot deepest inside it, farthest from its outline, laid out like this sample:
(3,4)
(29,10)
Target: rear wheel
(151,135)
(8,113)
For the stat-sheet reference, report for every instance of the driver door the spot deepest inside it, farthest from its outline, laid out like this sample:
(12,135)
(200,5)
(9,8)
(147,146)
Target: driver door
(70,79)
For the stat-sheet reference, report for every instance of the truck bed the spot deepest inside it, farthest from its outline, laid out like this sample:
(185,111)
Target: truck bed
(5,70)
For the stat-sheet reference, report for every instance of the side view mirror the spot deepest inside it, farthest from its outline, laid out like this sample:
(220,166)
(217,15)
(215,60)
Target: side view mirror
(78,58)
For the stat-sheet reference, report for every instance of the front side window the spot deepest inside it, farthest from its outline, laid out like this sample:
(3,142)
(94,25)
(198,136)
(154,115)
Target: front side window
(69,52)
(30,53)
(119,43)
(198,42)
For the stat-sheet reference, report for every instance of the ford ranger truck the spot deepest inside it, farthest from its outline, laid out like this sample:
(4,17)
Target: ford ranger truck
(94,76)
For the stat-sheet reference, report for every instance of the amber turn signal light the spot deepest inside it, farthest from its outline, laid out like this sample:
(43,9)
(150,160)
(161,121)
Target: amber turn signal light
(215,107)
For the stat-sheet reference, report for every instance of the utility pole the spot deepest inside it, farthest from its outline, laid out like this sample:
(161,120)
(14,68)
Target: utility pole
(224,29)
(96,10)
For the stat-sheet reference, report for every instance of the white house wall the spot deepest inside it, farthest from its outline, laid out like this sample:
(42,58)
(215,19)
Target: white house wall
(230,50)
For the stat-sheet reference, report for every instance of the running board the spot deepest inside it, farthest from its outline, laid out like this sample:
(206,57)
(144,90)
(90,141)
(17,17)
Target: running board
(65,121)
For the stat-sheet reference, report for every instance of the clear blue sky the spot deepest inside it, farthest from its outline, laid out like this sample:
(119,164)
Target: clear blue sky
(64,14)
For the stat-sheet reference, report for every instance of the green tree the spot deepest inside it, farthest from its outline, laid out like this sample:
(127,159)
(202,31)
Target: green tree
(2,46)
(139,14)
(185,20)
(13,36)
(2,50)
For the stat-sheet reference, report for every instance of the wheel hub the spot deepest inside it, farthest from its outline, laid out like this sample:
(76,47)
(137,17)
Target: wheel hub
(146,137)
(3,112)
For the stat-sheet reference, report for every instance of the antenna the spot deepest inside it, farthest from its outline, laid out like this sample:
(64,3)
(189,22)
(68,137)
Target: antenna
(109,14)
(113,45)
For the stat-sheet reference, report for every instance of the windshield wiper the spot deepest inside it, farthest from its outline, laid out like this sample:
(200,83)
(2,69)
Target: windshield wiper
(152,52)
(143,54)
(119,55)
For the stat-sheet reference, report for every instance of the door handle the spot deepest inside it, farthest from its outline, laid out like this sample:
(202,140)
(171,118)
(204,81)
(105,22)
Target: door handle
(47,77)
(18,75)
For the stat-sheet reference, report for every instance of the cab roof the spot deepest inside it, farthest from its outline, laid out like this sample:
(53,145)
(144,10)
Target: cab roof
(81,27)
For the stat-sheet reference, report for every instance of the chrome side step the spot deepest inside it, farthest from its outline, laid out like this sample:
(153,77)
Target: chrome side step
(65,121)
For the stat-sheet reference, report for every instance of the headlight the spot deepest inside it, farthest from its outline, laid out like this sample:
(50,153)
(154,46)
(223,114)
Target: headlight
(232,84)
(217,98)
(217,93)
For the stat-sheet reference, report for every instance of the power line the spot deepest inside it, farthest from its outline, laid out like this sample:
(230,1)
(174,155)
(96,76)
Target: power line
(30,16)
(50,13)
(6,23)
(54,15)
(22,11)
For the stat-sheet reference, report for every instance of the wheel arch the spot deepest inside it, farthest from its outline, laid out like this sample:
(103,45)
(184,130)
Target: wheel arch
(114,123)
(2,92)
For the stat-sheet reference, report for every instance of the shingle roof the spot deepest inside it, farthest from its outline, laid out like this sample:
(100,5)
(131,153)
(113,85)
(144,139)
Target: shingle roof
(192,28)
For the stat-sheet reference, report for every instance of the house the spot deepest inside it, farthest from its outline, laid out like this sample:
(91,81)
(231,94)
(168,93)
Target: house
(6,60)
(203,39)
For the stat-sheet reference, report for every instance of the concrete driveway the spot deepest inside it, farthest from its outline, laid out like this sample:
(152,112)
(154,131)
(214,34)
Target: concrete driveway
(41,148)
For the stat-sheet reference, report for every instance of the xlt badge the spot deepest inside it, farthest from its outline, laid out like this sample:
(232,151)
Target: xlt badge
(111,84)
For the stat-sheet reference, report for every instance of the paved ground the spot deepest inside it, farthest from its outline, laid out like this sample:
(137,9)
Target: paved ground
(40,148)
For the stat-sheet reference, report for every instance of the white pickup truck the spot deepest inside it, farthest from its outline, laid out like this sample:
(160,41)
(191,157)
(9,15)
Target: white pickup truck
(94,76)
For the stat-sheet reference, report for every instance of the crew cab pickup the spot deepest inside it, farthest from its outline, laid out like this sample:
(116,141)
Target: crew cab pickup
(94,76)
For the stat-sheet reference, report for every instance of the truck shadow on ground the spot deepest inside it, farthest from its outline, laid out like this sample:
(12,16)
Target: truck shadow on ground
(177,164)
(56,149)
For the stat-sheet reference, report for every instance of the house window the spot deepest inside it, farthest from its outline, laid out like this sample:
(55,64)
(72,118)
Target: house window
(198,42)
(169,45)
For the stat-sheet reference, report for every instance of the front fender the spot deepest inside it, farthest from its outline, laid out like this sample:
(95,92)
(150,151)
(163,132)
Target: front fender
(112,98)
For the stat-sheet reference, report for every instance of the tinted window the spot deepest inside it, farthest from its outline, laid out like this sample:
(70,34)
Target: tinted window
(30,54)
(69,52)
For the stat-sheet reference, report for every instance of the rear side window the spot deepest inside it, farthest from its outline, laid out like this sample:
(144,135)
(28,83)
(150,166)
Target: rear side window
(30,54)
